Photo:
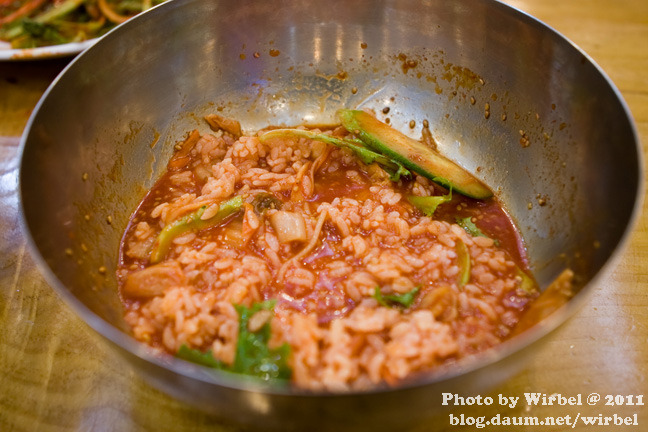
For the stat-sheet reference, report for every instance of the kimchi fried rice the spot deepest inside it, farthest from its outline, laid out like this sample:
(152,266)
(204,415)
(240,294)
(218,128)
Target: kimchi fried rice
(365,287)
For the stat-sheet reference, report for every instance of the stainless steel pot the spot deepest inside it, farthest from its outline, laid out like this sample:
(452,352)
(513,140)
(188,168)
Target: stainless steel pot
(505,96)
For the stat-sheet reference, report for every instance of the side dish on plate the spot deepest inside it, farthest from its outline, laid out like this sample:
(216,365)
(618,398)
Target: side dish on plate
(338,258)
(37,23)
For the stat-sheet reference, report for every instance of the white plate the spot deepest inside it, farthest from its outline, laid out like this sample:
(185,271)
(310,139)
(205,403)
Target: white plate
(68,49)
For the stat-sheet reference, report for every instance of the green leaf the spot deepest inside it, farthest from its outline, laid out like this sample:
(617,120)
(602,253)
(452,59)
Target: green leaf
(406,299)
(429,204)
(469,226)
(253,356)
(395,169)
(199,357)
(34,28)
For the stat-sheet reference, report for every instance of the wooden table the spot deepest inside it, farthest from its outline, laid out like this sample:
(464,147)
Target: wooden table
(57,375)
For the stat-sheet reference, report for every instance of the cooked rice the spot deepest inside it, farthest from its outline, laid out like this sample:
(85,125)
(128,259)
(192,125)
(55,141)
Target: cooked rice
(341,338)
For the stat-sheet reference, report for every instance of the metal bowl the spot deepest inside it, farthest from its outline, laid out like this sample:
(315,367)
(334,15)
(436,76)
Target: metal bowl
(507,97)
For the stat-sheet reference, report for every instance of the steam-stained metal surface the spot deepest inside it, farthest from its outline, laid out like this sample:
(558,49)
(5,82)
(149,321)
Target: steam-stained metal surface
(506,97)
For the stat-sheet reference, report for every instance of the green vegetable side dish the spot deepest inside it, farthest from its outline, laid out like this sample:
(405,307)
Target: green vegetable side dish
(406,299)
(192,222)
(429,204)
(413,154)
(36,23)
(395,169)
(253,356)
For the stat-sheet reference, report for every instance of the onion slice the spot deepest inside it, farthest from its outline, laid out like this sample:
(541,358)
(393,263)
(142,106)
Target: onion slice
(288,226)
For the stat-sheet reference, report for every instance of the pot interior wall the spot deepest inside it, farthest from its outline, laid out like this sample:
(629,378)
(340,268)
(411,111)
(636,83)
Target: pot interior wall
(507,99)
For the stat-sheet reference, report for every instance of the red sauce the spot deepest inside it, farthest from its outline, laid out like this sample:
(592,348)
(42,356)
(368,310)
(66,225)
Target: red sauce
(328,299)
(491,218)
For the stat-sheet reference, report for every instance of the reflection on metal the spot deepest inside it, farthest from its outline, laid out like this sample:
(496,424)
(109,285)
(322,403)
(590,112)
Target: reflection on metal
(259,402)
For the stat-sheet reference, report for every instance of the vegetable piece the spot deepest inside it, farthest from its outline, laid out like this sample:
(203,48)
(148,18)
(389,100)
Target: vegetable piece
(442,302)
(49,16)
(22,11)
(469,226)
(413,154)
(44,32)
(527,284)
(233,233)
(395,169)
(112,15)
(192,222)
(181,158)
(154,280)
(199,357)
(253,356)
(62,9)
(265,201)
(406,300)
(463,259)
(429,204)
(34,23)
(217,123)
(549,301)
(288,226)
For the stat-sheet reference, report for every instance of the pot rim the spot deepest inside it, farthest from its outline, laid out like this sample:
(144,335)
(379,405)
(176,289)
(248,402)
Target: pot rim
(240,382)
